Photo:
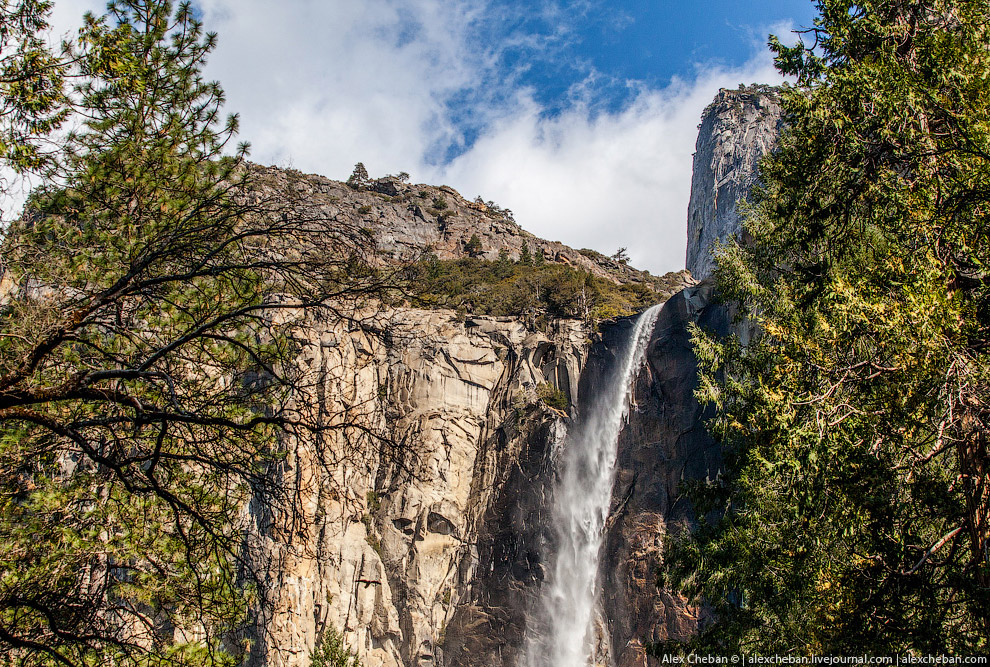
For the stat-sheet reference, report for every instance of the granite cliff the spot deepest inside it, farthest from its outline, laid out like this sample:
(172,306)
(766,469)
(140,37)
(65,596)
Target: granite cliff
(422,533)
(418,530)
(736,130)
(665,441)
(394,510)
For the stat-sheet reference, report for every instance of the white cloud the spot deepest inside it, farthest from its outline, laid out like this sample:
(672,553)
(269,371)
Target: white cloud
(66,16)
(602,181)
(326,84)
(321,85)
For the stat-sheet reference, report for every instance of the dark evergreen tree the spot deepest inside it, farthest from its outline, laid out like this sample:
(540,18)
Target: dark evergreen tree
(525,256)
(854,513)
(146,375)
(473,246)
(333,652)
(359,178)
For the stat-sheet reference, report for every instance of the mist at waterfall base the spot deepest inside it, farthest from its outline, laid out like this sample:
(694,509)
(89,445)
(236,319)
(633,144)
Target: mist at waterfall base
(561,631)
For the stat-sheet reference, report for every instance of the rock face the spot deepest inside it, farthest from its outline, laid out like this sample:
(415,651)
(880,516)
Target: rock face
(663,444)
(431,419)
(422,534)
(423,529)
(418,528)
(736,130)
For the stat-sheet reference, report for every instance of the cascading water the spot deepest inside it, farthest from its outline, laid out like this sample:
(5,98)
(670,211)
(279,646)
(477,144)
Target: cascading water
(582,497)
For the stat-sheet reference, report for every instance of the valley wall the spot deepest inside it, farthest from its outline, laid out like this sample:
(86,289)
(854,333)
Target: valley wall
(431,416)
(422,533)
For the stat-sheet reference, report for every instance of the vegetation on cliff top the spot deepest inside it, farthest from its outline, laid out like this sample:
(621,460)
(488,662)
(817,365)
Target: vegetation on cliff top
(854,512)
(531,289)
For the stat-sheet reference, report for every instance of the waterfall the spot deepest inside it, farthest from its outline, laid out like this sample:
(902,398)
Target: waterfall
(582,496)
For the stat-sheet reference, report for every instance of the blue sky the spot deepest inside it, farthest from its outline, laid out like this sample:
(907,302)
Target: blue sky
(580,116)
(646,42)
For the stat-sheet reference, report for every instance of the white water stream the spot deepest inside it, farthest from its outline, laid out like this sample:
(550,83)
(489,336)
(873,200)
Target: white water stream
(582,495)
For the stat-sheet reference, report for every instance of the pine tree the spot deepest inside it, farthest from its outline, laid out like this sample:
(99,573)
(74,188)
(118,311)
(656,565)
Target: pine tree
(854,513)
(146,373)
(473,246)
(32,97)
(525,256)
(359,178)
(333,652)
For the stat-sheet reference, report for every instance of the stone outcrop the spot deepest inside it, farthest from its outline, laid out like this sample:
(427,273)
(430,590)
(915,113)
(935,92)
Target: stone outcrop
(406,221)
(664,444)
(736,130)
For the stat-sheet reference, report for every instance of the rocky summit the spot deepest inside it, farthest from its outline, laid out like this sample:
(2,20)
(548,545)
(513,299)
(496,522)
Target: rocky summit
(736,130)
(405,221)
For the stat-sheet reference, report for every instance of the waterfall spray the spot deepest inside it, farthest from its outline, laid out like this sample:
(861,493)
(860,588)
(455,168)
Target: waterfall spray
(582,497)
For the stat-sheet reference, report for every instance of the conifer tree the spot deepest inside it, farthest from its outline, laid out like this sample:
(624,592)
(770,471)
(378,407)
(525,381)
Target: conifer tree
(473,246)
(32,97)
(146,373)
(854,511)
(359,178)
(333,652)
(525,256)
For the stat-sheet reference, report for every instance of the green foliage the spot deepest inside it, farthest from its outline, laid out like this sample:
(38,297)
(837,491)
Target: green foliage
(359,178)
(525,256)
(853,512)
(374,501)
(593,254)
(553,397)
(364,210)
(33,102)
(493,210)
(473,246)
(146,374)
(497,287)
(333,652)
(439,202)
(371,537)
